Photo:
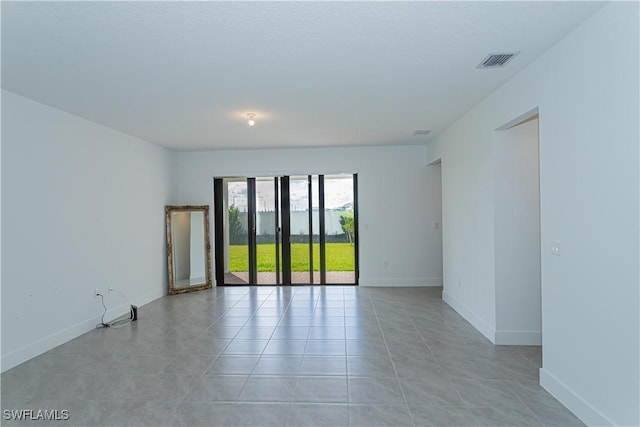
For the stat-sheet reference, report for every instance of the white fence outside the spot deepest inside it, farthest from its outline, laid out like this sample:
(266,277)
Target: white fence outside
(265,222)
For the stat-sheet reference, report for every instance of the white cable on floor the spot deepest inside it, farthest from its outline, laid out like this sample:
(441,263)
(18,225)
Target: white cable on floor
(116,323)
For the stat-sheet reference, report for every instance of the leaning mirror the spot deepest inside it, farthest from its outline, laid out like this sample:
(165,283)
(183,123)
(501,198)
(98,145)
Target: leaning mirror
(188,248)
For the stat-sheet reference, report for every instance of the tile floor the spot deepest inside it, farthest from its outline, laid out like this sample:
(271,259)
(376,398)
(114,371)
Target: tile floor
(297,356)
(297,277)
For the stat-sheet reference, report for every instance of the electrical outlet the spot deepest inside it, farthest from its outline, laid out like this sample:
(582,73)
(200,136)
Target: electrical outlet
(97,293)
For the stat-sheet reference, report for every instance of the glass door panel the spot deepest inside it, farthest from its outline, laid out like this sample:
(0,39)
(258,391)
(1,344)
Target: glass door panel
(339,229)
(236,231)
(300,233)
(268,265)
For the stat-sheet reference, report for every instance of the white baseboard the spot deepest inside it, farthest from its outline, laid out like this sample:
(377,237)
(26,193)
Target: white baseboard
(477,322)
(45,344)
(404,281)
(149,297)
(581,408)
(518,337)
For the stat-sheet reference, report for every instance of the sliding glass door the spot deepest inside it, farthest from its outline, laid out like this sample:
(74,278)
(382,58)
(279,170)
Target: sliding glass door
(291,230)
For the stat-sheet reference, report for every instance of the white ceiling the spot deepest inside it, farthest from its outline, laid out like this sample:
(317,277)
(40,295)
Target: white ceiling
(184,74)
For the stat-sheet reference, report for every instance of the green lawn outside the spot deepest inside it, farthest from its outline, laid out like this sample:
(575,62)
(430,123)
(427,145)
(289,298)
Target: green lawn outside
(340,257)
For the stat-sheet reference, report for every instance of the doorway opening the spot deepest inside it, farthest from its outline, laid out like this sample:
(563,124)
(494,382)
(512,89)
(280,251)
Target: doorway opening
(437,226)
(286,230)
(516,170)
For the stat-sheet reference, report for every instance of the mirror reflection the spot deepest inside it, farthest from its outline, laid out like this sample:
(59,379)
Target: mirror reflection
(188,248)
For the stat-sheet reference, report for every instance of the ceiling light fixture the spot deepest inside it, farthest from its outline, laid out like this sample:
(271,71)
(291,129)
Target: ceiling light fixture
(251,117)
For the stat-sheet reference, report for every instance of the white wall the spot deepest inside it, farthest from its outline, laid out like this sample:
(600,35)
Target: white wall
(397,200)
(586,88)
(516,193)
(467,218)
(82,208)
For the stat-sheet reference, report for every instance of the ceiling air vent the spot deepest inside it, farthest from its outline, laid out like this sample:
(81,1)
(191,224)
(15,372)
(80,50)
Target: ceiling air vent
(497,60)
(421,132)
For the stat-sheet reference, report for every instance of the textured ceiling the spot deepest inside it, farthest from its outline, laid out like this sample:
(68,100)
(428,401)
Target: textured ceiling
(184,74)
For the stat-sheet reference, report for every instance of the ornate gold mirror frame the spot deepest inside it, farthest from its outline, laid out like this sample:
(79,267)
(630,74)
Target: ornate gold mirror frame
(188,248)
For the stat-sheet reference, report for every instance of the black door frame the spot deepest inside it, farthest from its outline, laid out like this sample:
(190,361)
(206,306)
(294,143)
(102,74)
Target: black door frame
(276,226)
(251,230)
(322,231)
(218,229)
(286,230)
